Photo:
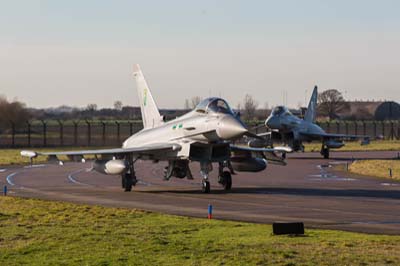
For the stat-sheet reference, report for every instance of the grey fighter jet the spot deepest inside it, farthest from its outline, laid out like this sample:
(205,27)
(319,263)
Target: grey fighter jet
(203,135)
(290,129)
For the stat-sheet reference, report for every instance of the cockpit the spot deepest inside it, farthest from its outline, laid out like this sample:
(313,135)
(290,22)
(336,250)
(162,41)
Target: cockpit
(280,110)
(213,105)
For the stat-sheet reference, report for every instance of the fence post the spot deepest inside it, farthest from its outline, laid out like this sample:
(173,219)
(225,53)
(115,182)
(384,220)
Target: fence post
(375,129)
(44,124)
(383,129)
(398,129)
(12,134)
(130,128)
(347,127)
(75,133)
(337,127)
(328,126)
(103,132)
(89,133)
(355,128)
(29,133)
(61,127)
(364,128)
(118,132)
(391,130)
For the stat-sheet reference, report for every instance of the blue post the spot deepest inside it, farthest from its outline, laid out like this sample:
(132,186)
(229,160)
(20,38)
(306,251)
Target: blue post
(210,211)
(5,191)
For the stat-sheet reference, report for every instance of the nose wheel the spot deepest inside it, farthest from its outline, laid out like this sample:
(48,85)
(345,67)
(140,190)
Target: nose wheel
(325,152)
(205,168)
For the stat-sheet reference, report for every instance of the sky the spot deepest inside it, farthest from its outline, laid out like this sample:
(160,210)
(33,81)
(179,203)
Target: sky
(74,53)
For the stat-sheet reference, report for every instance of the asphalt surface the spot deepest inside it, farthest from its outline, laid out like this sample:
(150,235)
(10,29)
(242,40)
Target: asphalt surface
(308,189)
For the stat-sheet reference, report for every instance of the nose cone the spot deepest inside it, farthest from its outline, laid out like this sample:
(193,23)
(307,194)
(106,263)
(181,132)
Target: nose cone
(230,127)
(272,122)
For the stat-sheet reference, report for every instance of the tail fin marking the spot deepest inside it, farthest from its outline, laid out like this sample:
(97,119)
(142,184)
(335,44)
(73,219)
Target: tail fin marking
(150,115)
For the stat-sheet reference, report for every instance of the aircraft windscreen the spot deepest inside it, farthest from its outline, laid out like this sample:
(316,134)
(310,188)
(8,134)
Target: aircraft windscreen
(219,106)
(278,110)
(215,105)
(201,107)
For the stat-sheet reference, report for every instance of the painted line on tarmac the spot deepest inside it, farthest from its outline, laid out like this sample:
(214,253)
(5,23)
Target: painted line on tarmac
(73,179)
(389,184)
(10,180)
(3,170)
(34,166)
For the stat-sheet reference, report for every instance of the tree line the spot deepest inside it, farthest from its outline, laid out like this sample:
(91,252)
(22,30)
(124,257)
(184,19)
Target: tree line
(330,104)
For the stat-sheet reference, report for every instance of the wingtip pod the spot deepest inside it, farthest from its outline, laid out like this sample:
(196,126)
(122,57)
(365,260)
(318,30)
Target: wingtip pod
(29,154)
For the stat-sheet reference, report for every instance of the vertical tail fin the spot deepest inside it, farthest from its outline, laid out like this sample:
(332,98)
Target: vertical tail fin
(312,105)
(150,115)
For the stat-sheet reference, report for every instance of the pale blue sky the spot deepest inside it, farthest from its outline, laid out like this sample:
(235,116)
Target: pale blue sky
(79,52)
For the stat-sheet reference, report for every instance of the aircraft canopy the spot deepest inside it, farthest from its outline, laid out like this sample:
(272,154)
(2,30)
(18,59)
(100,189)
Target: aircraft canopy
(213,105)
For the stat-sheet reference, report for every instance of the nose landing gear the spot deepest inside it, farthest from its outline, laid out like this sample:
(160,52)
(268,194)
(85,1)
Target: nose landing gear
(225,177)
(325,152)
(205,168)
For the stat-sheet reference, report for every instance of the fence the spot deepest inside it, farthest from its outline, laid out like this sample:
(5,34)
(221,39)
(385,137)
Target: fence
(113,133)
(68,133)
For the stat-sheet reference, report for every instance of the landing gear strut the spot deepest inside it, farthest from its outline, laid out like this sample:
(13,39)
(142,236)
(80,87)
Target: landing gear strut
(129,177)
(205,168)
(225,177)
(325,152)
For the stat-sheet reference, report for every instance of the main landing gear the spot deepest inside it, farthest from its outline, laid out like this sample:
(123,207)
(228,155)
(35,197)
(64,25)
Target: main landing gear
(129,177)
(224,177)
(325,152)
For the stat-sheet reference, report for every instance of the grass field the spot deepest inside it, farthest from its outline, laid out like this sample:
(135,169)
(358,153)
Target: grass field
(379,168)
(378,145)
(36,232)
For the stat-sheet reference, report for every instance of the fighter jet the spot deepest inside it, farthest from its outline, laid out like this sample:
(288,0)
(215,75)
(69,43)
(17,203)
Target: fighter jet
(203,135)
(293,131)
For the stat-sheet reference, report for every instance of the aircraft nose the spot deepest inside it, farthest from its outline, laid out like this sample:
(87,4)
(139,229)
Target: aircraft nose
(230,127)
(272,122)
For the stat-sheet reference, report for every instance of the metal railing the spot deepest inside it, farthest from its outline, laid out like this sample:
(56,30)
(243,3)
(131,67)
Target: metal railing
(41,133)
(68,133)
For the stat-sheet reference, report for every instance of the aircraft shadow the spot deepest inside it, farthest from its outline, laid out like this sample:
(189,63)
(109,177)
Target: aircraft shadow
(306,192)
(340,158)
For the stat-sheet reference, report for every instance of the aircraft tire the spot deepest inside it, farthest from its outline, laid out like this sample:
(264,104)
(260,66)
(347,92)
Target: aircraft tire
(226,180)
(206,187)
(127,182)
(326,153)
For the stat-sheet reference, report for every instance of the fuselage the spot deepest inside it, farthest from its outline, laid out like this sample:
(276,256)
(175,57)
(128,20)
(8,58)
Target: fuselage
(294,130)
(198,126)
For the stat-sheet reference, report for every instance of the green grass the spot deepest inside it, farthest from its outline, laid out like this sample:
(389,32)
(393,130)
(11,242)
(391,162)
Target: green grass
(379,145)
(36,232)
(378,168)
